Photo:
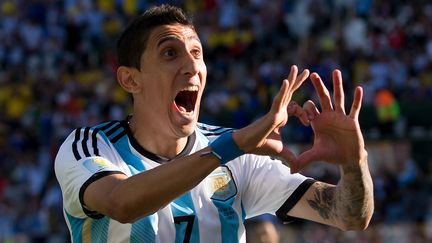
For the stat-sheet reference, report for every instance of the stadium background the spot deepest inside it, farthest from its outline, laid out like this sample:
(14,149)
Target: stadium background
(57,69)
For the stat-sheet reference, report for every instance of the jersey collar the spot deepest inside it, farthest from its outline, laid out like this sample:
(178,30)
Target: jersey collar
(144,152)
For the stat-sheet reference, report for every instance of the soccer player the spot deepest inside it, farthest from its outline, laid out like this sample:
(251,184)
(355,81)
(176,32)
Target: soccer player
(160,176)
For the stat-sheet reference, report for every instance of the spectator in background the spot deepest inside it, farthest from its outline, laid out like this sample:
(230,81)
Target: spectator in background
(388,112)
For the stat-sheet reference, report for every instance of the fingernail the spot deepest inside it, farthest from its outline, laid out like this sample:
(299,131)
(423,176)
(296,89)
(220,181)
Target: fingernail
(311,116)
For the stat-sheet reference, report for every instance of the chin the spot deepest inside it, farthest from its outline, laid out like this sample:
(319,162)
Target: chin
(186,130)
(183,126)
(189,129)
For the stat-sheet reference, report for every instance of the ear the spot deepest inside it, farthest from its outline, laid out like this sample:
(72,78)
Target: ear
(126,79)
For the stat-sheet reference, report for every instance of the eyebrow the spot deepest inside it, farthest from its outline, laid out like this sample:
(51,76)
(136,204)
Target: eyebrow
(172,37)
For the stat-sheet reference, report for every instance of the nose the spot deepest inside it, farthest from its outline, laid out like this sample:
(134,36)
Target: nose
(190,65)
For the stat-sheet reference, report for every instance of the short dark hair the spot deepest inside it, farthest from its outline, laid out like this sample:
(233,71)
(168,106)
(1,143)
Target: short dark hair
(133,41)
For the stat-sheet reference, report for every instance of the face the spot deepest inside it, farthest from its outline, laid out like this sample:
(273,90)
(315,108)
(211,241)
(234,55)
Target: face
(173,76)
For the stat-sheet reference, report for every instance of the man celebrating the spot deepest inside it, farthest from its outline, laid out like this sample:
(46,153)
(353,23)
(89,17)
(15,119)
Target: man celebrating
(159,176)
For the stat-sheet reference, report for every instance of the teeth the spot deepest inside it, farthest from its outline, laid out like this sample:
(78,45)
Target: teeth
(191,88)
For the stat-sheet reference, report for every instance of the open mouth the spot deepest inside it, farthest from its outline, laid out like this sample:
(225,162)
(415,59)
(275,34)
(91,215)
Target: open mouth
(185,100)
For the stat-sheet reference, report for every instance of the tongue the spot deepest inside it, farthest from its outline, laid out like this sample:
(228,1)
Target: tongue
(185,106)
(181,108)
(183,102)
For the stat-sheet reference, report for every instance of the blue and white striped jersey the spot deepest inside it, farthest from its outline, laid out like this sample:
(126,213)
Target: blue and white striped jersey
(213,211)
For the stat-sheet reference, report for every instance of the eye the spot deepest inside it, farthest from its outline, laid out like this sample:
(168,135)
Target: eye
(169,53)
(196,53)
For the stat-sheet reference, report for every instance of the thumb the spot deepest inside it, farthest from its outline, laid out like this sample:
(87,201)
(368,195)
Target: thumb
(287,156)
(303,160)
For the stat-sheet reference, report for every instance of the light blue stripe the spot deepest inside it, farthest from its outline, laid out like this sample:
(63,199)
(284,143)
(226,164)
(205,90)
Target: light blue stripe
(76,227)
(143,230)
(133,170)
(228,219)
(102,133)
(103,124)
(183,206)
(99,230)
(117,132)
(243,212)
(122,147)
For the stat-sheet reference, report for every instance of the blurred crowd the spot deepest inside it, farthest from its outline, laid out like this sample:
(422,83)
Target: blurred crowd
(58,68)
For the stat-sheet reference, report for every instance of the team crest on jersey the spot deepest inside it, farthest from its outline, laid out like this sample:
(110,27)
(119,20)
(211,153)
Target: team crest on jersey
(220,184)
(96,164)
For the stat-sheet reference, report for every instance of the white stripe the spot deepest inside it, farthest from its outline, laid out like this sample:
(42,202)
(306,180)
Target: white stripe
(241,230)
(118,231)
(166,229)
(208,215)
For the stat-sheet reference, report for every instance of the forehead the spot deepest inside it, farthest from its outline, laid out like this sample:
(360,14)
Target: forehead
(164,33)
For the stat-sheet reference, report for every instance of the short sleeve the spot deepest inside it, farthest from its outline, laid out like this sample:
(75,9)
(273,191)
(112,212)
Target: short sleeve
(268,186)
(78,163)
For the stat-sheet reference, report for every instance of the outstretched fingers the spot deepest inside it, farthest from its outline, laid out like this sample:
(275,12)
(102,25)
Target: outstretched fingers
(280,98)
(293,73)
(338,95)
(289,85)
(292,77)
(357,102)
(322,91)
(300,79)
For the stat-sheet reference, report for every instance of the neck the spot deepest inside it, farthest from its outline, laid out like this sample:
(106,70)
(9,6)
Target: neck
(154,140)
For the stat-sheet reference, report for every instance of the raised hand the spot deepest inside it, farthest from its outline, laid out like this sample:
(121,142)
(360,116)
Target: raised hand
(338,138)
(263,136)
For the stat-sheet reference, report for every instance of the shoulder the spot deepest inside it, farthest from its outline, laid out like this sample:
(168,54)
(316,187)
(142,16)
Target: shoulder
(86,141)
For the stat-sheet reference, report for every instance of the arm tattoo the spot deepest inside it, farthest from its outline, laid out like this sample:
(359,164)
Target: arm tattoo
(349,202)
(354,194)
(323,201)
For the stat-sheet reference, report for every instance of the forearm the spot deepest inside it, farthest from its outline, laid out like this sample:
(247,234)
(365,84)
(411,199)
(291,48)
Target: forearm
(135,197)
(348,205)
(354,202)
